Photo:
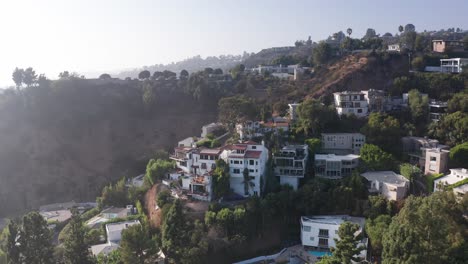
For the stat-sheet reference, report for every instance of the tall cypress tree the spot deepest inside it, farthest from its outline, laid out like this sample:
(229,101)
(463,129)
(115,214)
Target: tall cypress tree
(35,240)
(174,231)
(76,249)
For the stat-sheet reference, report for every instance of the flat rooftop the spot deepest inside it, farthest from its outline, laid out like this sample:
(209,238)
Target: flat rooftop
(334,157)
(121,225)
(385,176)
(333,219)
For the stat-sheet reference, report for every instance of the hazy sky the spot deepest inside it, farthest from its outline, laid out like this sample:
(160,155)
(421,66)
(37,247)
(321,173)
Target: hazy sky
(107,35)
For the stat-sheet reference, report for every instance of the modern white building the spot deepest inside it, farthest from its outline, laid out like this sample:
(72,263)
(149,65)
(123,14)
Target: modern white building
(333,166)
(109,214)
(360,103)
(394,47)
(350,102)
(290,164)
(342,143)
(320,232)
(114,235)
(456,175)
(250,157)
(436,160)
(454,65)
(392,186)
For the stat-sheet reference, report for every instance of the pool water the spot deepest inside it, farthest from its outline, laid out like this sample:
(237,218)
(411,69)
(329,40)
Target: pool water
(319,253)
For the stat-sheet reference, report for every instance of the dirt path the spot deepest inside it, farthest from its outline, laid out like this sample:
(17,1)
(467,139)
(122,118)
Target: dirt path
(154,214)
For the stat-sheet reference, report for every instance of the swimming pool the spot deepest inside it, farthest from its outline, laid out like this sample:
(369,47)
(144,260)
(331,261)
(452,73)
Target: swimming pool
(319,253)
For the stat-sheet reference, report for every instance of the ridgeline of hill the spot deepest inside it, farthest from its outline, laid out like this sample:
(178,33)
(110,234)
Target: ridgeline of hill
(66,139)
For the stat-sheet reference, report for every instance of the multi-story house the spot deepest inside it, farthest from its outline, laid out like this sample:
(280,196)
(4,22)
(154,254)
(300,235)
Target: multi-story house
(387,183)
(436,160)
(342,143)
(248,157)
(114,236)
(419,149)
(196,165)
(437,109)
(360,103)
(350,102)
(333,166)
(454,65)
(290,164)
(448,45)
(320,232)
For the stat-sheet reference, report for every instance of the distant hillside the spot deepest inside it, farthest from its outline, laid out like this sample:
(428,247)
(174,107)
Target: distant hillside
(194,64)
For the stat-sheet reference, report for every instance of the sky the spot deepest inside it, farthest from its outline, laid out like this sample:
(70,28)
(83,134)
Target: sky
(96,36)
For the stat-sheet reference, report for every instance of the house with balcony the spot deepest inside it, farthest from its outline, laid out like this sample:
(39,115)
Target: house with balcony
(290,164)
(437,109)
(350,102)
(454,65)
(250,157)
(333,166)
(342,143)
(392,186)
(455,176)
(319,232)
(195,167)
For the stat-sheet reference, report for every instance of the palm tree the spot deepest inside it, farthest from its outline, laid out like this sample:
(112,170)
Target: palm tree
(248,184)
(349,31)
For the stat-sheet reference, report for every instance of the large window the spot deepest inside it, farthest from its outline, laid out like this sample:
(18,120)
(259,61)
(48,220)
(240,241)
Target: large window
(306,228)
(251,162)
(236,171)
(323,242)
(323,232)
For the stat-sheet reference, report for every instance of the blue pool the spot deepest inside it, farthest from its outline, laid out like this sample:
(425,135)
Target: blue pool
(319,253)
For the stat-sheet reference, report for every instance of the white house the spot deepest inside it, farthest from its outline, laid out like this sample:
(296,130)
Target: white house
(114,235)
(454,65)
(392,186)
(196,165)
(248,156)
(394,47)
(342,143)
(320,232)
(290,164)
(248,130)
(109,214)
(350,102)
(461,190)
(456,175)
(333,166)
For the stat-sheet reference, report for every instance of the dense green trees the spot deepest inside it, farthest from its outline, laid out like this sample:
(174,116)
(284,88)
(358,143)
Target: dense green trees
(136,245)
(236,109)
(314,118)
(221,179)
(115,194)
(452,129)
(156,169)
(375,229)
(76,248)
(459,155)
(419,106)
(374,158)
(182,241)
(321,53)
(347,246)
(427,230)
(384,131)
(30,242)
(144,75)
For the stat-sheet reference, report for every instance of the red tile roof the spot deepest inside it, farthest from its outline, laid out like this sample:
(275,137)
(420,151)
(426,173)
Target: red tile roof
(253,154)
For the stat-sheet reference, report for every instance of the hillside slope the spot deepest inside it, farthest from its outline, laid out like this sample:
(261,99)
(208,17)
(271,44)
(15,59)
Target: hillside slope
(77,139)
